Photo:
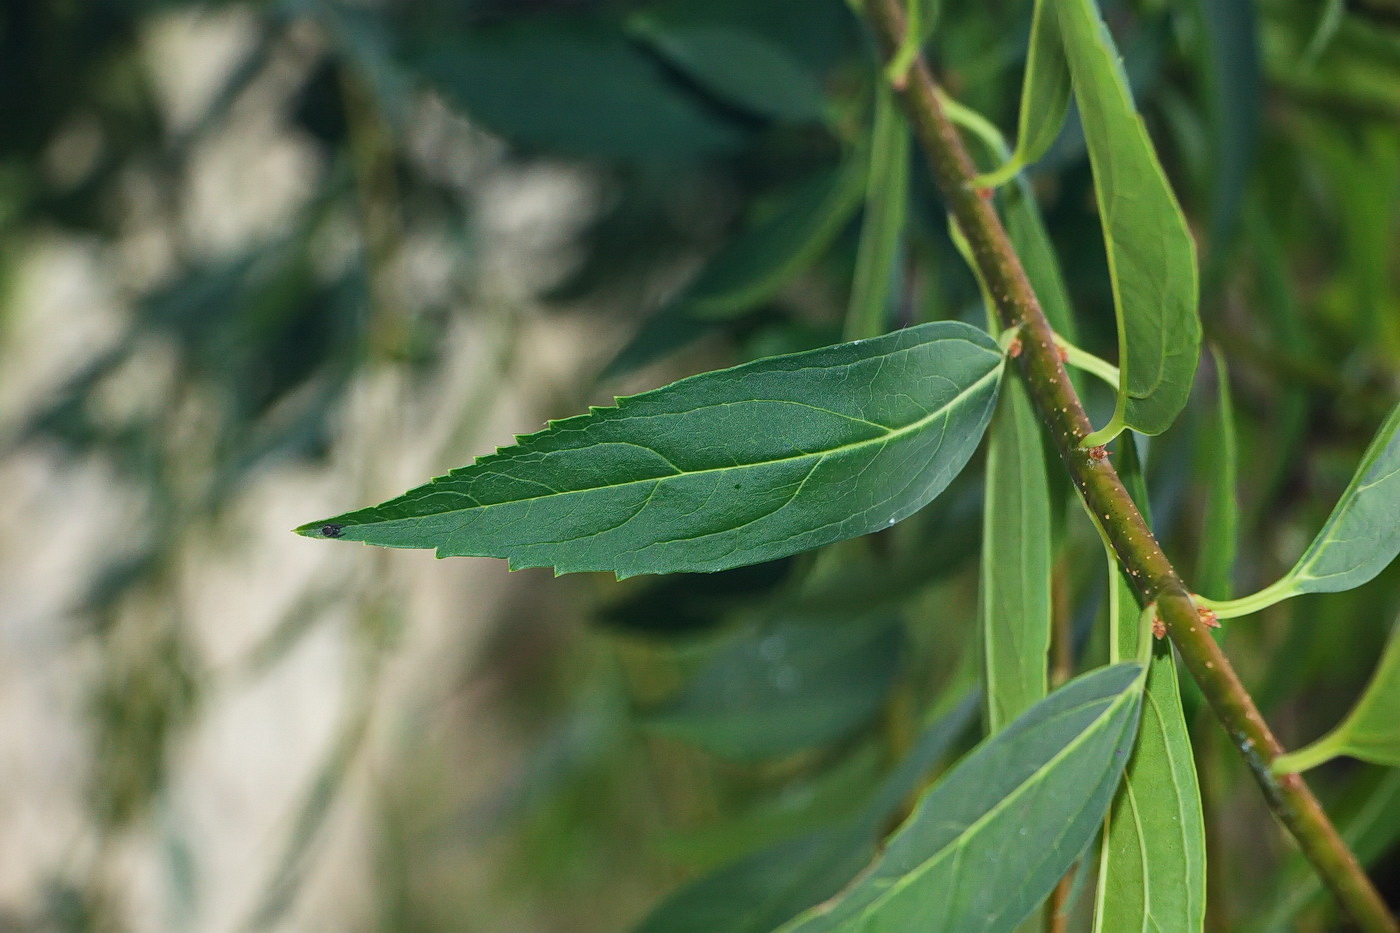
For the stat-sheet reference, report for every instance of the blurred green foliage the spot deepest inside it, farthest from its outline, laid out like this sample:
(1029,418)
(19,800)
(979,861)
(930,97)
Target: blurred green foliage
(697,120)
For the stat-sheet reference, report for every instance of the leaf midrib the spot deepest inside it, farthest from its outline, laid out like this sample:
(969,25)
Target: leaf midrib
(892,434)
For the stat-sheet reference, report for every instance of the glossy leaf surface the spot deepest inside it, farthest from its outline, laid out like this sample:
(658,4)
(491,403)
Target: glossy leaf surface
(1016,544)
(1371,730)
(1152,858)
(990,840)
(719,470)
(1151,255)
(793,685)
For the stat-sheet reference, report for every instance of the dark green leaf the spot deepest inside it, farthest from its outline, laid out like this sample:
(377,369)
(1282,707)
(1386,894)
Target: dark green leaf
(769,887)
(1152,257)
(1152,859)
(722,469)
(1016,557)
(886,200)
(990,840)
(579,88)
(1045,92)
(742,69)
(785,687)
(764,257)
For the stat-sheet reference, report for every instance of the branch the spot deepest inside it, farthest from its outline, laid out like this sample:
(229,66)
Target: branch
(1137,550)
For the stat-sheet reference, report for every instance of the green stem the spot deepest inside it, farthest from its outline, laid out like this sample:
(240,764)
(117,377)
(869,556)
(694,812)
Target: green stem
(1137,551)
(1310,756)
(1247,605)
(1091,364)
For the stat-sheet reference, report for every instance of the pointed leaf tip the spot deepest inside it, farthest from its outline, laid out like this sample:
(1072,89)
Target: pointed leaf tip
(719,470)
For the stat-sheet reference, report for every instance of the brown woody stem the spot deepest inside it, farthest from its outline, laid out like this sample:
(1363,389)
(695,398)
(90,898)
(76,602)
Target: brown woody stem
(1137,550)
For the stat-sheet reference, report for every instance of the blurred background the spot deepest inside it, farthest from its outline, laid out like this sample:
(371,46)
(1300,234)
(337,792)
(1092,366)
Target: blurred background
(263,262)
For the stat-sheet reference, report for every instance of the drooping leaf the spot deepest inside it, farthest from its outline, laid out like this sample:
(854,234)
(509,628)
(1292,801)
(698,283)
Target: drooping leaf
(1045,92)
(719,470)
(1027,231)
(790,685)
(763,890)
(738,67)
(1359,539)
(765,256)
(1016,545)
(990,840)
(1221,524)
(1371,731)
(570,85)
(1151,255)
(1152,858)
(886,199)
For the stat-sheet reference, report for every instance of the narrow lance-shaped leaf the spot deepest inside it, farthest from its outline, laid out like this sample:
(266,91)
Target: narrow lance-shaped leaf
(1152,859)
(1016,541)
(1359,539)
(761,891)
(1045,92)
(719,470)
(1151,255)
(765,256)
(1371,730)
(886,198)
(1221,524)
(990,840)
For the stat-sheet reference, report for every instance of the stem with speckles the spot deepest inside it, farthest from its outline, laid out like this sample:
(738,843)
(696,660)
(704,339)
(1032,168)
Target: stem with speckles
(1137,550)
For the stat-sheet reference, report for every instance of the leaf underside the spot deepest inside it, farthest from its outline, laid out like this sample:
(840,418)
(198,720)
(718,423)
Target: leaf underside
(718,470)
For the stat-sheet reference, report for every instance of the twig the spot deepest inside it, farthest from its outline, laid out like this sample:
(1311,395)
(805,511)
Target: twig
(1137,550)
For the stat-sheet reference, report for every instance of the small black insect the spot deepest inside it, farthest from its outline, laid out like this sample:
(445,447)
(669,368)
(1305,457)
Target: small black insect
(332,531)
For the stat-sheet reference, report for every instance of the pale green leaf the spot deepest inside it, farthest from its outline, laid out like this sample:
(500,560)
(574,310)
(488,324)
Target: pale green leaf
(792,685)
(1016,543)
(1371,730)
(1045,92)
(765,256)
(762,890)
(1152,858)
(742,68)
(1359,539)
(990,840)
(1151,255)
(719,470)
(886,200)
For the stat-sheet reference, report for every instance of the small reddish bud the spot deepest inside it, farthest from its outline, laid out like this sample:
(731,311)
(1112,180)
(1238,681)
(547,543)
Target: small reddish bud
(1097,453)
(986,194)
(1014,348)
(1208,617)
(1159,628)
(1064,354)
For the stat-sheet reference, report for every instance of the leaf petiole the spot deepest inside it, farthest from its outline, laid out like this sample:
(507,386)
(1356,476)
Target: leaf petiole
(1285,588)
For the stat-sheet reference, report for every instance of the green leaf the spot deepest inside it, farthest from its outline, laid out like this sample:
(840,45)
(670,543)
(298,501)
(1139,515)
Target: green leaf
(1359,539)
(1221,523)
(1371,730)
(765,256)
(991,839)
(1151,255)
(791,685)
(1016,544)
(886,200)
(1152,859)
(719,470)
(572,86)
(1045,91)
(738,67)
(761,891)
